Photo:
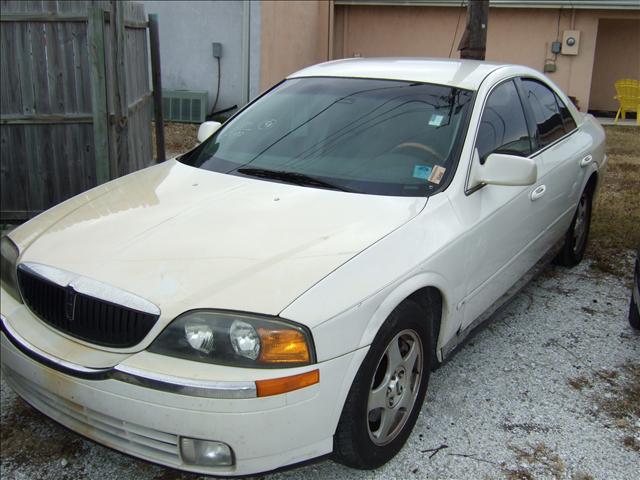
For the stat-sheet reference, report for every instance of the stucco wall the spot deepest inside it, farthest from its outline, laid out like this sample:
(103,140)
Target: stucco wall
(617,56)
(525,37)
(395,31)
(295,34)
(187,30)
(515,35)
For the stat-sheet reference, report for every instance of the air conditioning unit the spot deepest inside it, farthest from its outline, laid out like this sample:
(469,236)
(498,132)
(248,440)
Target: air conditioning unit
(184,106)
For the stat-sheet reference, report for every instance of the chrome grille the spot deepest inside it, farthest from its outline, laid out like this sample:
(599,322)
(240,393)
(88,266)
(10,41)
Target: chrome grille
(83,316)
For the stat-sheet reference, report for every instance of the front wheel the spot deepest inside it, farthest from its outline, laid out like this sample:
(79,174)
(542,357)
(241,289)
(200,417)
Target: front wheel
(634,316)
(386,396)
(575,241)
(634,311)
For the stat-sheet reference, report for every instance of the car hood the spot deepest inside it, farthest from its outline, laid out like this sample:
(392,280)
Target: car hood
(186,238)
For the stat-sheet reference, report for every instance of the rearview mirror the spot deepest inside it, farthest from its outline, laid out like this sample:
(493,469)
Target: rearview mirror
(502,169)
(207,129)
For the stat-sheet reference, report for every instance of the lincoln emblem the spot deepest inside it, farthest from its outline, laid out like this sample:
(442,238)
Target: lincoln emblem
(69,303)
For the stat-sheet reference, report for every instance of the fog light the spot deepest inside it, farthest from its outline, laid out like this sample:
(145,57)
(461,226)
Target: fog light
(206,453)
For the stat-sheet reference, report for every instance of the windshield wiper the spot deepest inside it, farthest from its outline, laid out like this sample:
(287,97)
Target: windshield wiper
(291,177)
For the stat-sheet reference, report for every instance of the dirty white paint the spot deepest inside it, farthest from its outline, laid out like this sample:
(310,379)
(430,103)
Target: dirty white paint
(506,388)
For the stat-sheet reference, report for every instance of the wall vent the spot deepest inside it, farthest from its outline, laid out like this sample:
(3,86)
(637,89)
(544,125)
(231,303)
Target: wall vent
(184,106)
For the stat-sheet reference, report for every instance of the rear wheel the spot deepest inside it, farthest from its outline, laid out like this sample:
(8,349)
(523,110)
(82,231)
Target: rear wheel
(387,393)
(575,241)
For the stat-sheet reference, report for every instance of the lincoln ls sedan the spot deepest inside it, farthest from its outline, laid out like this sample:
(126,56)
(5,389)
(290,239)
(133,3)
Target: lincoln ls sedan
(282,291)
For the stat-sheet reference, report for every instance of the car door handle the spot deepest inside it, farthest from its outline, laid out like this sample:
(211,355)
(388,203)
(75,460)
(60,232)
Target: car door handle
(538,193)
(586,160)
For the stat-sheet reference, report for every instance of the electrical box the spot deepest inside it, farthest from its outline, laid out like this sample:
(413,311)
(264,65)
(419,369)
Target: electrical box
(570,42)
(217,49)
(556,47)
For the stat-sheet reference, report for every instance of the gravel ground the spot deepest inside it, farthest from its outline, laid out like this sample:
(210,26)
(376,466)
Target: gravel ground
(548,389)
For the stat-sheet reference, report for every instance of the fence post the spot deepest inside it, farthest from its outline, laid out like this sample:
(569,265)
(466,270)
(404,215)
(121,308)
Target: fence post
(120,128)
(154,45)
(97,76)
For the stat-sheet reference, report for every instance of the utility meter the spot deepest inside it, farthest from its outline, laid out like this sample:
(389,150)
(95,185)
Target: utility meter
(570,42)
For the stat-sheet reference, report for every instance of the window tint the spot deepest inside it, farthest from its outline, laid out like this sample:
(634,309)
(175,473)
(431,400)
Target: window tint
(503,128)
(545,111)
(381,137)
(569,122)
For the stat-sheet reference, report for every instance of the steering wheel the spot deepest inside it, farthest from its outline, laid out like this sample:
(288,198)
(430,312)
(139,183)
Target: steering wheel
(418,146)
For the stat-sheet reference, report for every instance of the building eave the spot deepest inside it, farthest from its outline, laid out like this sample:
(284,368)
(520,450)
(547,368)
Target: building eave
(556,4)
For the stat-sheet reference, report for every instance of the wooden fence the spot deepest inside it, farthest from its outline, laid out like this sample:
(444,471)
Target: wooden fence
(75,100)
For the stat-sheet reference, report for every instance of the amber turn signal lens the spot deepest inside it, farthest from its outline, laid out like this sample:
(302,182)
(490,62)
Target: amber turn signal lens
(275,386)
(283,346)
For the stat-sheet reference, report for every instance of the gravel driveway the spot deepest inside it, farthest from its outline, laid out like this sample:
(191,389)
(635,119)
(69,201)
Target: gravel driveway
(550,388)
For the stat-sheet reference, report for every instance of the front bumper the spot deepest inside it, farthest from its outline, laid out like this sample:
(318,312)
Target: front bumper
(264,433)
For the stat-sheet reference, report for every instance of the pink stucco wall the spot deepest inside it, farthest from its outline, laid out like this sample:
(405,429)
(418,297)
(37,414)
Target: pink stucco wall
(294,35)
(297,34)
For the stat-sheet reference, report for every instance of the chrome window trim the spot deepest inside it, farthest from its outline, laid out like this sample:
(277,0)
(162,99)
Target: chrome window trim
(557,94)
(468,191)
(133,376)
(90,287)
(547,147)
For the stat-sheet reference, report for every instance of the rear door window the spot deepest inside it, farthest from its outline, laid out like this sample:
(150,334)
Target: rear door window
(567,118)
(549,121)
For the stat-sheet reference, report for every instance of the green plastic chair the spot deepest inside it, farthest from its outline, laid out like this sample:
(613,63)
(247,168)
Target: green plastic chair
(628,95)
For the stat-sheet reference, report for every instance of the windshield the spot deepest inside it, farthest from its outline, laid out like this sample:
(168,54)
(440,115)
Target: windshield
(369,136)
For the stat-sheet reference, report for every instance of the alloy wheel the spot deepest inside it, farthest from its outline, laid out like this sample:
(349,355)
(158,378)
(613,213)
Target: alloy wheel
(580,227)
(394,388)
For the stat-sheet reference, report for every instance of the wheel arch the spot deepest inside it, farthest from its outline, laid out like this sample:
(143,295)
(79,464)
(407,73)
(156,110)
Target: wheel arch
(431,300)
(430,291)
(592,183)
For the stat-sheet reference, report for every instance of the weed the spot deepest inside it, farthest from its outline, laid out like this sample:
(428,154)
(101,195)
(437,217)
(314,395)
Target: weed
(538,457)
(617,397)
(581,476)
(631,442)
(579,383)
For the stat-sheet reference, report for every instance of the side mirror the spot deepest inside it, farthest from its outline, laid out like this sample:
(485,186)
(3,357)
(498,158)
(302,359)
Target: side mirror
(502,169)
(207,129)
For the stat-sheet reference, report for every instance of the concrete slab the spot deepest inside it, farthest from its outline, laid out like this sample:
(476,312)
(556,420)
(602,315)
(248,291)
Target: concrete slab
(628,122)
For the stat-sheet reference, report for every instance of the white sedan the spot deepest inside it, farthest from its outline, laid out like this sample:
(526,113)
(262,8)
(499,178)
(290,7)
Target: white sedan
(283,290)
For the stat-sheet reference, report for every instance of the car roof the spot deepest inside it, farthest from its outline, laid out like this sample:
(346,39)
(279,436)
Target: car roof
(466,74)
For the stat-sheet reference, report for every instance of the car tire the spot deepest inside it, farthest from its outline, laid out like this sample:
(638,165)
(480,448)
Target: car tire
(575,240)
(634,317)
(386,396)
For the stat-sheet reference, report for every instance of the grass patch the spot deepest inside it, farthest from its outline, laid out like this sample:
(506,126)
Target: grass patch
(582,476)
(631,442)
(616,394)
(536,459)
(578,383)
(621,401)
(616,214)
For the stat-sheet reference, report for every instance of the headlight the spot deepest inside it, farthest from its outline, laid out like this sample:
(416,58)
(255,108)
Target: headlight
(236,339)
(8,276)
